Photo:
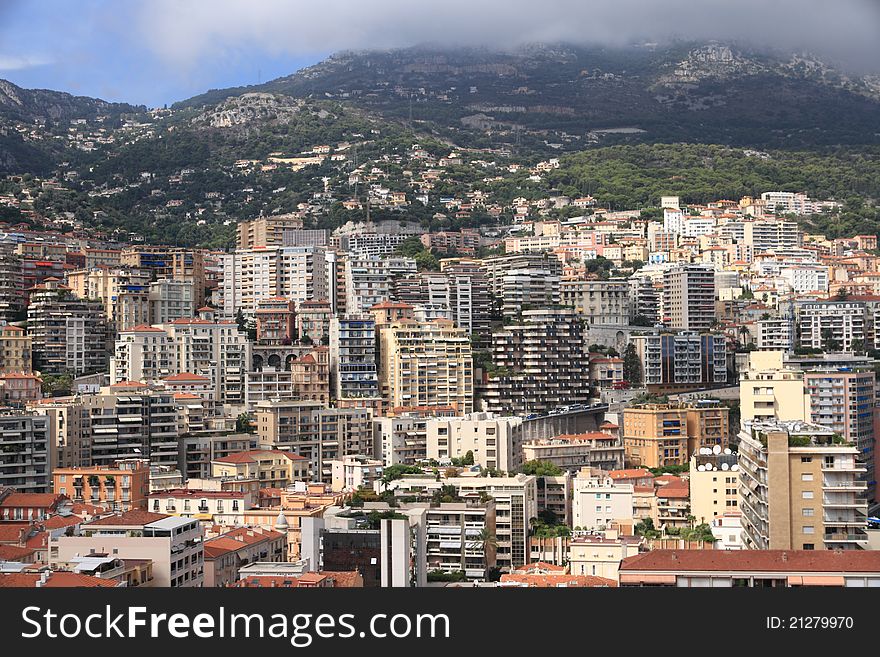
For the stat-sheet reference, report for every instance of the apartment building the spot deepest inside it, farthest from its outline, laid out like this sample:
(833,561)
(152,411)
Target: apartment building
(598,302)
(319,434)
(170,263)
(276,320)
(801,488)
(769,390)
(355,471)
(453,531)
(114,287)
(129,420)
(832,325)
(121,487)
(515,503)
(170,299)
(214,349)
(714,484)
(401,438)
(539,364)
(266,232)
(353,368)
(600,555)
(370,280)
(248,276)
(573,452)
(69,334)
(271,467)
(425,364)
(174,545)
(688,299)
(227,553)
(682,361)
(143,353)
(523,280)
(12,285)
(26,452)
(313,320)
(655,435)
(598,500)
(843,400)
(16,350)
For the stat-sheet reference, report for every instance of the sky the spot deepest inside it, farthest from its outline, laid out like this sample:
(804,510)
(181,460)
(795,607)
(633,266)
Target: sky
(155,52)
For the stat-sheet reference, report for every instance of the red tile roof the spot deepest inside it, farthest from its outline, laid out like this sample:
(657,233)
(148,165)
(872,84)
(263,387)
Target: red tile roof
(850,561)
(632,473)
(248,457)
(15,552)
(55,580)
(31,500)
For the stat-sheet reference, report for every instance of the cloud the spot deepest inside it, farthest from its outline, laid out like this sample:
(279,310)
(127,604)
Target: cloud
(23,62)
(187,33)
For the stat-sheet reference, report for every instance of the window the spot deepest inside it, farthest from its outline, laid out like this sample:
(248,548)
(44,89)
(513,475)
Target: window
(807,495)
(807,476)
(809,512)
(806,459)
(809,546)
(809,529)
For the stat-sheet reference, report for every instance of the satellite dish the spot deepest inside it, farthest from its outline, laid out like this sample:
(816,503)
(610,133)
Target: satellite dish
(724,466)
(701,468)
(727,450)
(734,467)
(716,449)
(714,468)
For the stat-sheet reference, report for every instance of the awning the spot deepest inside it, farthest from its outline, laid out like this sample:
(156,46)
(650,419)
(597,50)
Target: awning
(819,580)
(633,578)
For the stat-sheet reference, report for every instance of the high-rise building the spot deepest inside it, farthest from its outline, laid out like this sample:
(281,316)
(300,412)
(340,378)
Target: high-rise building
(266,232)
(15,350)
(688,301)
(69,334)
(26,452)
(843,400)
(426,364)
(177,264)
(353,358)
(801,488)
(539,364)
(276,320)
(12,291)
(170,300)
(317,433)
(681,361)
(832,325)
(598,302)
(370,280)
(523,280)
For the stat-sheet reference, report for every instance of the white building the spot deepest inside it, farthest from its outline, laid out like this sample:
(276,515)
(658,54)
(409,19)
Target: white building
(599,501)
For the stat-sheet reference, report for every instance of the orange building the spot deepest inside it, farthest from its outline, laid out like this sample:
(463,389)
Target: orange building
(122,487)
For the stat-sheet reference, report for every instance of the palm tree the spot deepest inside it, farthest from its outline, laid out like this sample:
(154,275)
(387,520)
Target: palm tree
(489,542)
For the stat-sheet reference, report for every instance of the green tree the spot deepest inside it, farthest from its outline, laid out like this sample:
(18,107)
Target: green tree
(244,424)
(632,366)
(541,469)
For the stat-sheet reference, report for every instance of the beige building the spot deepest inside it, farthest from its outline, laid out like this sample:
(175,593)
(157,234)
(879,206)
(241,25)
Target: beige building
(353,472)
(655,435)
(174,545)
(15,350)
(266,231)
(273,468)
(714,486)
(770,391)
(801,488)
(426,364)
(599,555)
(319,434)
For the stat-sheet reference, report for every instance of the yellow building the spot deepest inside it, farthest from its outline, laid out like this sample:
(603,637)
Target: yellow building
(273,468)
(768,390)
(714,488)
(655,435)
(15,350)
(426,364)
